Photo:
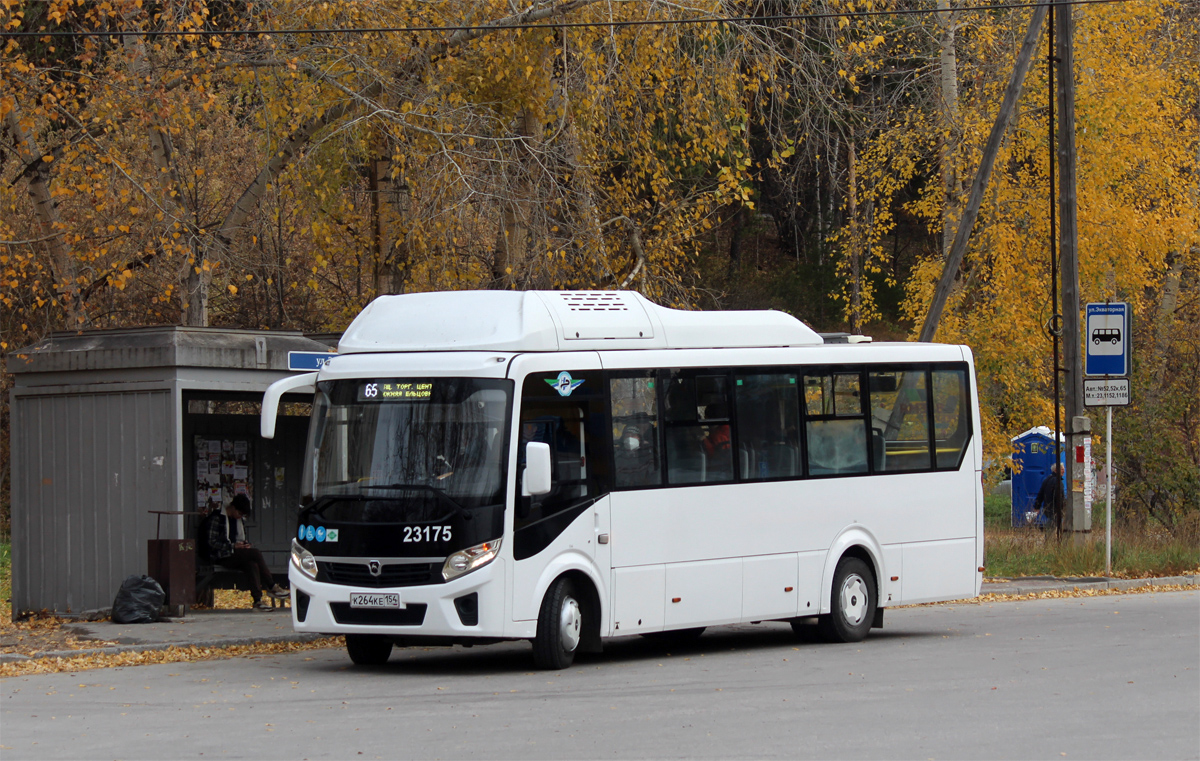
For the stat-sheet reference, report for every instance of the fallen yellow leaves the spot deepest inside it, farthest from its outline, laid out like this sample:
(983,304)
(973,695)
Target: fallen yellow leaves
(150,657)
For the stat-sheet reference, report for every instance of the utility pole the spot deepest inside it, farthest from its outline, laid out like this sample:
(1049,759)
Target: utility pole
(1074,519)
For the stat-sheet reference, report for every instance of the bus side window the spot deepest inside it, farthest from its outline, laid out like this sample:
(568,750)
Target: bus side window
(900,420)
(699,443)
(834,424)
(635,431)
(768,415)
(951,416)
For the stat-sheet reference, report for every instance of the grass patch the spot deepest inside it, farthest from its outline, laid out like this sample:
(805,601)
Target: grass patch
(1136,555)
(997,511)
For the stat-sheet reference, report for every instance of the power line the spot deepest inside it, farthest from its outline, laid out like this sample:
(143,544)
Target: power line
(552,24)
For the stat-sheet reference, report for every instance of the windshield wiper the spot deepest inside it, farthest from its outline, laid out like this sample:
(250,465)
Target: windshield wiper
(418,487)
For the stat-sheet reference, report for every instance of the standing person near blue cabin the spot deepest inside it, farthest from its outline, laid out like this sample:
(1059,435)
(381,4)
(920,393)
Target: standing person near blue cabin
(1050,498)
(229,547)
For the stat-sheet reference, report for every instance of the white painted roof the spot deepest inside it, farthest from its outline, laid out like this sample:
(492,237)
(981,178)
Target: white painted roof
(557,321)
(1044,430)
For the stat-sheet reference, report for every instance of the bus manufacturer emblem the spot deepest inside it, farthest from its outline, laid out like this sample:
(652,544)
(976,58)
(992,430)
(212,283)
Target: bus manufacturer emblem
(564,384)
(375,567)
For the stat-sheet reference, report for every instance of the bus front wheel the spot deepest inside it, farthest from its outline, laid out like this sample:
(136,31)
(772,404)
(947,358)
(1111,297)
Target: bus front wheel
(369,649)
(852,607)
(560,626)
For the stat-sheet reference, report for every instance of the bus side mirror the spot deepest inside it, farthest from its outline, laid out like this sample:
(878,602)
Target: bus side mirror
(536,480)
(305,383)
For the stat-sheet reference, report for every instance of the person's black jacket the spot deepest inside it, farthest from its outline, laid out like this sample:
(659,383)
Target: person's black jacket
(1045,496)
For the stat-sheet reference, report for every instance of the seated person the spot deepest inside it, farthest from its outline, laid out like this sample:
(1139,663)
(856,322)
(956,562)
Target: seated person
(228,546)
(717,444)
(716,440)
(635,460)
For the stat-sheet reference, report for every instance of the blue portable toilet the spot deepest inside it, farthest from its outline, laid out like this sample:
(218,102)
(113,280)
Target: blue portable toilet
(1033,453)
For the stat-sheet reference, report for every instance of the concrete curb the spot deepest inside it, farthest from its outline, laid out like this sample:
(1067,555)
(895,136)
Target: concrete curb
(1051,584)
(154,646)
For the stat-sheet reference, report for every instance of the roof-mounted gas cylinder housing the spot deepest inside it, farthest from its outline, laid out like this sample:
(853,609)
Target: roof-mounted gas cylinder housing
(535,321)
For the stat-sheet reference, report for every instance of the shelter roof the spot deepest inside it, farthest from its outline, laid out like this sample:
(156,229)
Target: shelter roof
(160,346)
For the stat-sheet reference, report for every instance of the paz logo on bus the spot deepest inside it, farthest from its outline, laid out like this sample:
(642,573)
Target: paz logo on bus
(564,384)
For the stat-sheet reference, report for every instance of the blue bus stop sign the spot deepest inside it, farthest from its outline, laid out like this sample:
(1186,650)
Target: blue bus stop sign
(1107,339)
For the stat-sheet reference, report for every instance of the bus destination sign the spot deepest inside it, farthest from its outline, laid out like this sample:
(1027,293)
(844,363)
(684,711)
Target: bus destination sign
(394,391)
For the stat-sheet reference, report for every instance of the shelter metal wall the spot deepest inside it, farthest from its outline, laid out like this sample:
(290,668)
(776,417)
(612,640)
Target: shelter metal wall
(86,468)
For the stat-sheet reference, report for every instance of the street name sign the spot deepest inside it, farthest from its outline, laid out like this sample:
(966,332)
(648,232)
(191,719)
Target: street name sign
(1107,339)
(1106,392)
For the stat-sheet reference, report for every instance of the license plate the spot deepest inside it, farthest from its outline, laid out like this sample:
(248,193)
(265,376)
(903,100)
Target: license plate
(374,600)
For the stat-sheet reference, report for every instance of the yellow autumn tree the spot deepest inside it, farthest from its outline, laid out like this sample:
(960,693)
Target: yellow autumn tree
(1137,152)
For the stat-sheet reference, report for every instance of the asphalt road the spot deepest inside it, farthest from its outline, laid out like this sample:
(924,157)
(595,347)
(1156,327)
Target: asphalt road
(1103,677)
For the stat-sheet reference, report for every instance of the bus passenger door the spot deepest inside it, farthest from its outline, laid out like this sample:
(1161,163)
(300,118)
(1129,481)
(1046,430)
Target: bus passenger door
(561,404)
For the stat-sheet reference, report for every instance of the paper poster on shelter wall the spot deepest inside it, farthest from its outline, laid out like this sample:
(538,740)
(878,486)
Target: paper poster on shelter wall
(224,469)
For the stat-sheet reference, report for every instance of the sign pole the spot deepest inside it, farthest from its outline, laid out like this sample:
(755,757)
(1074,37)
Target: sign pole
(1108,488)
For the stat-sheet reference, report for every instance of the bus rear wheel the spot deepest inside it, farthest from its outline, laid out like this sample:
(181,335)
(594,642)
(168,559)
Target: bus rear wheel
(852,606)
(560,626)
(369,649)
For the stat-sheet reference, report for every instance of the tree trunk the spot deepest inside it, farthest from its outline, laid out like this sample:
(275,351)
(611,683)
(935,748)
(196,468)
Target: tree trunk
(854,252)
(963,232)
(198,277)
(1164,327)
(62,256)
(513,240)
(951,186)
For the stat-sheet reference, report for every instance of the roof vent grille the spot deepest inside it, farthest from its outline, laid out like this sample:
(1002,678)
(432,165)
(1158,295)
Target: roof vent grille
(595,301)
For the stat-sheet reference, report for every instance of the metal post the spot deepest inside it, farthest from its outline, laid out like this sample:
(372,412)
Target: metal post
(1108,495)
(1055,324)
(1068,241)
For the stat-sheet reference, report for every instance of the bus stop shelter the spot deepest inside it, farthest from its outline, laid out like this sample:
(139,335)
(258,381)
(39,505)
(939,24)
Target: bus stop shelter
(112,428)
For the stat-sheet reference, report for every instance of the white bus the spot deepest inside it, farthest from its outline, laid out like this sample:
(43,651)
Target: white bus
(564,467)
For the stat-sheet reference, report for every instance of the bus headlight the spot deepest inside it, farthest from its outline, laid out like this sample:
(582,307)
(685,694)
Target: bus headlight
(304,560)
(465,561)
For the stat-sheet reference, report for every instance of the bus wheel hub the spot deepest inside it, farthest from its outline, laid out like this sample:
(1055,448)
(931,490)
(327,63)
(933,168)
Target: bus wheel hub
(569,623)
(854,599)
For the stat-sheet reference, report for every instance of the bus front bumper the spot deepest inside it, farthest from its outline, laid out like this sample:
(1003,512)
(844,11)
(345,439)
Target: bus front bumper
(470,606)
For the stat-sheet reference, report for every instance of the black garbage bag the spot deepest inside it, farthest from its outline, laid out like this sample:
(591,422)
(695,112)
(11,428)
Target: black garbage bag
(138,601)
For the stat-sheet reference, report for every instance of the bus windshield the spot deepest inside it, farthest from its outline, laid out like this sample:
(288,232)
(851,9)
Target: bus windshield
(407,449)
